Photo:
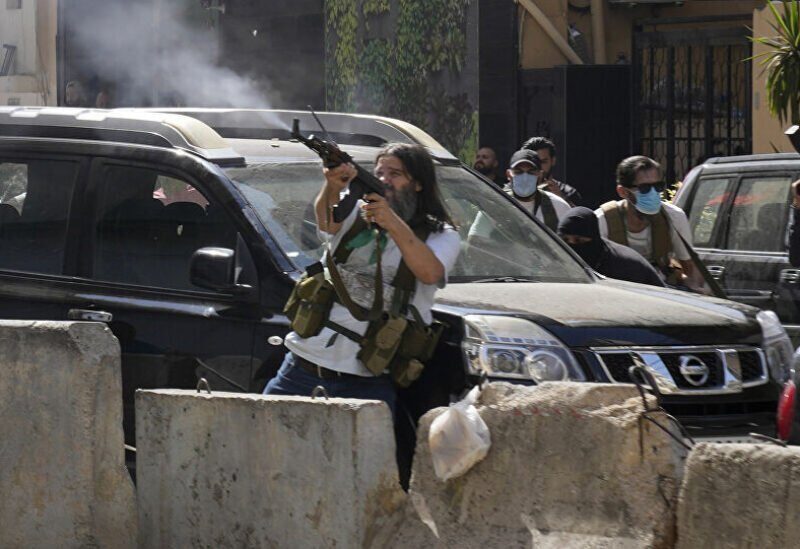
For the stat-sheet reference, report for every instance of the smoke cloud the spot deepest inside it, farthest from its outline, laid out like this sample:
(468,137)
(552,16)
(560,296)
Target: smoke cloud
(160,53)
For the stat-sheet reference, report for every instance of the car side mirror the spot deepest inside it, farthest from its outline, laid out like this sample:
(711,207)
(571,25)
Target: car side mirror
(215,269)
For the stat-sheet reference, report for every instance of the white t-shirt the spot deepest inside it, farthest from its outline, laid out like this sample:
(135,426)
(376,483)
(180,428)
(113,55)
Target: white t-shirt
(641,241)
(338,352)
(559,205)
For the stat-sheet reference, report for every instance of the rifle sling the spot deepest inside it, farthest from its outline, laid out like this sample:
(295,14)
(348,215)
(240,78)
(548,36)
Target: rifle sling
(404,282)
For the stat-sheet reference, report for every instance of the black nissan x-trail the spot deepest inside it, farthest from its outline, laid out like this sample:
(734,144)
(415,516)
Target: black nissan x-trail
(185,232)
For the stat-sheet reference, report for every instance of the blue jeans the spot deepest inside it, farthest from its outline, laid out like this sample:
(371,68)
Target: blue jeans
(292,380)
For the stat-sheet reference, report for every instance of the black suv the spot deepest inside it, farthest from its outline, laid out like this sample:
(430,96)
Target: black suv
(186,231)
(739,212)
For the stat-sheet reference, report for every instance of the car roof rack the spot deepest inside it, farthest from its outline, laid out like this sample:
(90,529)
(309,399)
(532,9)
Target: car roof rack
(157,129)
(344,128)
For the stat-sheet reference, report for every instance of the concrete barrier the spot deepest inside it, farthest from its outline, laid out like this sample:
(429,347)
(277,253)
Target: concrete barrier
(63,480)
(740,495)
(236,470)
(571,465)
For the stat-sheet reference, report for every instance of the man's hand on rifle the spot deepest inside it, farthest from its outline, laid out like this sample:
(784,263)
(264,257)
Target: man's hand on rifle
(339,178)
(377,210)
(336,180)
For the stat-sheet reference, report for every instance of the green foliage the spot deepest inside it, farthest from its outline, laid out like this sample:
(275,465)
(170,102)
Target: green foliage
(371,7)
(342,55)
(782,62)
(399,75)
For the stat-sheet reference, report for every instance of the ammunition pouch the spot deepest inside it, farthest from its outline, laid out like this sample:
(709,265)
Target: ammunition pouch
(399,345)
(309,304)
(381,342)
(391,341)
(417,347)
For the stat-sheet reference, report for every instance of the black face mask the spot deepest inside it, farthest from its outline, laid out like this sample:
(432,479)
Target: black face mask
(582,222)
(590,252)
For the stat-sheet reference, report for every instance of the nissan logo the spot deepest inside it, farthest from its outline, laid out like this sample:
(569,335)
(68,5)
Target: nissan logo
(694,370)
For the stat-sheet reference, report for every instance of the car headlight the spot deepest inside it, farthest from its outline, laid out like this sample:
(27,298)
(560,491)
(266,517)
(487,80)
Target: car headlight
(777,345)
(515,348)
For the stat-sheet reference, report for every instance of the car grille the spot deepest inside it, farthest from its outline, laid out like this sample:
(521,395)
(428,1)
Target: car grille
(752,365)
(689,370)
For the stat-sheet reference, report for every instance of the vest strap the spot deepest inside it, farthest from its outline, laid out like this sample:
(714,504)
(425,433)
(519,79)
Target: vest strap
(548,211)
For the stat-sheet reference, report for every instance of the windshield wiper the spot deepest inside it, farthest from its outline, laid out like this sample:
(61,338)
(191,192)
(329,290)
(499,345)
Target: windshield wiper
(504,279)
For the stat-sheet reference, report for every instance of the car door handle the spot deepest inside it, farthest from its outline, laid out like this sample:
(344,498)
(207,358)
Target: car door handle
(716,271)
(790,276)
(89,314)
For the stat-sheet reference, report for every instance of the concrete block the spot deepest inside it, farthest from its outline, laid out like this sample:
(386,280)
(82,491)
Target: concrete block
(62,472)
(740,495)
(571,464)
(244,470)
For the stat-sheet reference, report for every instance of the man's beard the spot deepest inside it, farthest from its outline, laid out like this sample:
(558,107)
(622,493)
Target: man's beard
(483,168)
(404,202)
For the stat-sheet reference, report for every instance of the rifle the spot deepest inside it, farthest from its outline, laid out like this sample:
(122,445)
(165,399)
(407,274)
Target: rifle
(332,156)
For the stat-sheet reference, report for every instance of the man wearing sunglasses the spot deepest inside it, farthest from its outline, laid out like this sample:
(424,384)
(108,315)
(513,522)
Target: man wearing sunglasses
(655,229)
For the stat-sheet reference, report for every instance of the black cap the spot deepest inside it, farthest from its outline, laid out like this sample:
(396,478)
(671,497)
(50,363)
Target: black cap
(525,155)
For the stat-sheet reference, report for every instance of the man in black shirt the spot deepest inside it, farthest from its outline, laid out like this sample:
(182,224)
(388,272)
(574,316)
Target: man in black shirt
(794,227)
(487,164)
(579,228)
(546,150)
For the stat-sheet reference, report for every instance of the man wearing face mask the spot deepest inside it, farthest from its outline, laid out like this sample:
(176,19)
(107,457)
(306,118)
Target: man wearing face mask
(579,228)
(654,228)
(524,174)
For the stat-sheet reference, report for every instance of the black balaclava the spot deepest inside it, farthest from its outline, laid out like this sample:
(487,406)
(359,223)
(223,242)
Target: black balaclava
(581,221)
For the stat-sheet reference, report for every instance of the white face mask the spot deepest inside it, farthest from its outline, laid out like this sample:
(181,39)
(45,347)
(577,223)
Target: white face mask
(524,184)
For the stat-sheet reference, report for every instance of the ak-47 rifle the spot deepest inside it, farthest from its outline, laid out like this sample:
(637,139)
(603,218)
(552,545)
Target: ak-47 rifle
(332,156)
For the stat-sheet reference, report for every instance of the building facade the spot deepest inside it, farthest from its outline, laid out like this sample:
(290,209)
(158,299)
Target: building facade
(28,65)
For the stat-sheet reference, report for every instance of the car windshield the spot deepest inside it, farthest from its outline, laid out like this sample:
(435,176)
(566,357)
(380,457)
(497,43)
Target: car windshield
(498,240)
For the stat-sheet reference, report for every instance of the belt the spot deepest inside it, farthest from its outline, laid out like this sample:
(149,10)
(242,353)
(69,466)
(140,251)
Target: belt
(319,371)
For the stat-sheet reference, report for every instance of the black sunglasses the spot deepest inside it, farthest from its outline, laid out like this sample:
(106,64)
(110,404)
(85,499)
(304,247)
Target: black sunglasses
(645,187)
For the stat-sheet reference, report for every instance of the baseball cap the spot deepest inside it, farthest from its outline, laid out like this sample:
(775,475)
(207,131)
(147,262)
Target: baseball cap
(525,155)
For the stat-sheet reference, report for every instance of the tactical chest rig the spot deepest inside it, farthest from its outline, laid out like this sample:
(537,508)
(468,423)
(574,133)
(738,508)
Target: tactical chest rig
(659,234)
(392,340)
(541,200)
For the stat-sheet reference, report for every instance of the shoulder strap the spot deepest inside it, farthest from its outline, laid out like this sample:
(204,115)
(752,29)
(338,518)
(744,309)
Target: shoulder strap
(404,280)
(548,212)
(340,255)
(662,242)
(615,221)
(342,252)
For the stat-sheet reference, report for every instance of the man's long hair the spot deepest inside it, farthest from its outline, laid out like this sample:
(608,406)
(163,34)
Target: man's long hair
(419,166)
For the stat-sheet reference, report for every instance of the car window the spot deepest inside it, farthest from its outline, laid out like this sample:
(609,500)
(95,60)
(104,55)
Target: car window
(703,214)
(148,225)
(497,238)
(759,213)
(35,197)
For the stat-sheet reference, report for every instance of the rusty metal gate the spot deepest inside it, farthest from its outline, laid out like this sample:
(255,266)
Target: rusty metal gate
(692,91)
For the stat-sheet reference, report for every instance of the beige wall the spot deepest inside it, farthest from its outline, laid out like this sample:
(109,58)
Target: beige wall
(32,29)
(538,51)
(46,31)
(767,129)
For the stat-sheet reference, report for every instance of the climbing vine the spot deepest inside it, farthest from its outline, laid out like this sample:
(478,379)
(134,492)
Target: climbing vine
(341,53)
(407,70)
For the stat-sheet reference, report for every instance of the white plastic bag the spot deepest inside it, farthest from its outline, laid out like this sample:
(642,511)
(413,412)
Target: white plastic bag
(459,438)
